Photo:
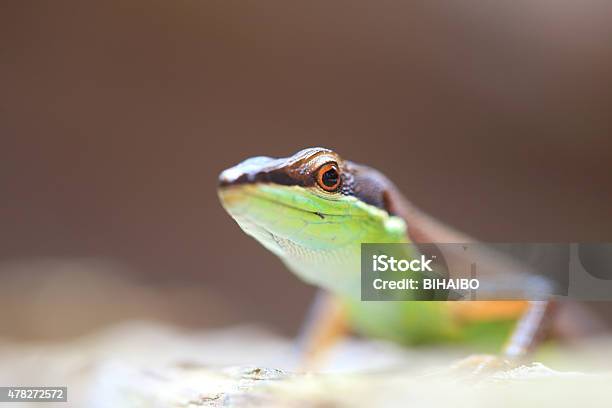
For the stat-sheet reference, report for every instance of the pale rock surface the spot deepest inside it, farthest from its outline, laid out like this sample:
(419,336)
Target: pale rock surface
(149,365)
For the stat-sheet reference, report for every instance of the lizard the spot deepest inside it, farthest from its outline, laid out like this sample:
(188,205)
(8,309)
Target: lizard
(314,210)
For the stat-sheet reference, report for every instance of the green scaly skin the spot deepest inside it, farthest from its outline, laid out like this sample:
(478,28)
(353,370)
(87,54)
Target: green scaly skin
(322,251)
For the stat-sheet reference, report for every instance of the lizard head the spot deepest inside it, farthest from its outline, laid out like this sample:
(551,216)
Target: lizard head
(309,203)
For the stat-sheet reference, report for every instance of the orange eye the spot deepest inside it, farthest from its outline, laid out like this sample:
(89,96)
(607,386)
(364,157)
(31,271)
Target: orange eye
(328,177)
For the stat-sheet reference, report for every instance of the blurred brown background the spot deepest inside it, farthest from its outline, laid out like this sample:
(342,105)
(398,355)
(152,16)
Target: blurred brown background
(116,118)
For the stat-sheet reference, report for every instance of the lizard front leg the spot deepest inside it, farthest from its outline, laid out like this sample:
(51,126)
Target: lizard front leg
(325,325)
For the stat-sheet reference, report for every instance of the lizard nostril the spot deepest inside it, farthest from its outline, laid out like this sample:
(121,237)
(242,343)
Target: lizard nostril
(249,171)
(232,176)
(228,177)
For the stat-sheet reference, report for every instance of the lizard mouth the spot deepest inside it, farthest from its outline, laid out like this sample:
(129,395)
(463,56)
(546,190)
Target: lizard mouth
(237,196)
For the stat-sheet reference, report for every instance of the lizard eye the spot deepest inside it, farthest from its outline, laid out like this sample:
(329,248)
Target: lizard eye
(328,177)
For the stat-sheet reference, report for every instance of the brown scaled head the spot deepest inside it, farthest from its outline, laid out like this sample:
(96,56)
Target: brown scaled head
(314,167)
